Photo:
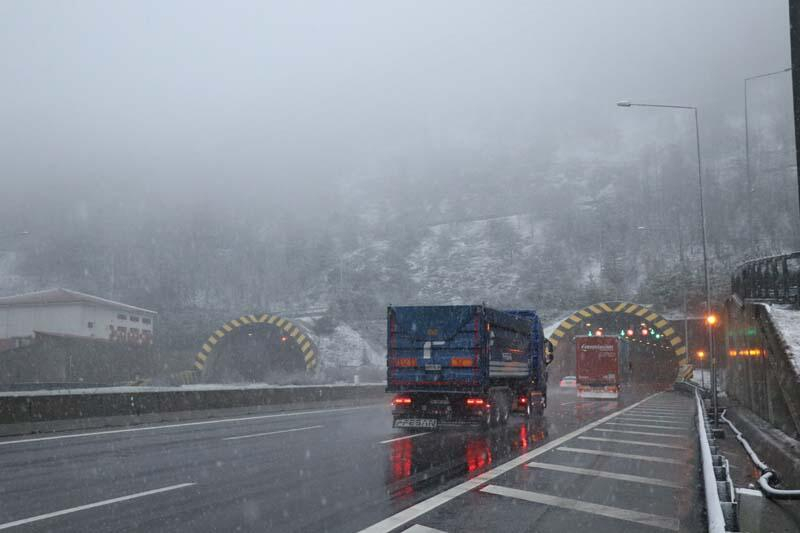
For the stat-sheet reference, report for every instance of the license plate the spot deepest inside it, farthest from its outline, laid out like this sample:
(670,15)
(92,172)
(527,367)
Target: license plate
(428,423)
(433,368)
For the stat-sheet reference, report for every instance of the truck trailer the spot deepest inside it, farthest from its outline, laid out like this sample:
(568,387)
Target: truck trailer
(597,367)
(464,364)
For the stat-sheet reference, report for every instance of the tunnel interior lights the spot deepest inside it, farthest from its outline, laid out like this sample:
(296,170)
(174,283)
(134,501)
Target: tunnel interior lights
(747,352)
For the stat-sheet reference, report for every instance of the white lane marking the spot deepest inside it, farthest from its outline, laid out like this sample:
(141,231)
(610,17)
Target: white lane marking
(637,442)
(183,424)
(659,415)
(640,425)
(412,436)
(609,475)
(644,418)
(569,403)
(417,528)
(650,458)
(674,414)
(405,516)
(15,523)
(272,433)
(666,423)
(651,433)
(663,522)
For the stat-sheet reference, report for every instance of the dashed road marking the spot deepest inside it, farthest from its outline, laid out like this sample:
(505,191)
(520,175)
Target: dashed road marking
(417,528)
(267,433)
(621,455)
(663,522)
(183,424)
(405,437)
(605,474)
(45,516)
(637,442)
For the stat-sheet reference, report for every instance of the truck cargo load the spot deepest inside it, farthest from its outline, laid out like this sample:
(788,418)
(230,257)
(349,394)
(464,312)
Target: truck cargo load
(464,363)
(597,367)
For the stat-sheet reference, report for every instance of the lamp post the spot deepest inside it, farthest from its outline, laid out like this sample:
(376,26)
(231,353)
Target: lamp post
(747,154)
(700,355)
(628,103)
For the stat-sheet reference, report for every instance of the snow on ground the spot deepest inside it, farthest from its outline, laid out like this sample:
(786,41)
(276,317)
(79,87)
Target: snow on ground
(787,322)
(462,263)
(346,347)
(702,377)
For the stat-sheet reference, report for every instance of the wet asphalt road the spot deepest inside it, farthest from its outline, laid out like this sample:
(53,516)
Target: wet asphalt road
(337,470)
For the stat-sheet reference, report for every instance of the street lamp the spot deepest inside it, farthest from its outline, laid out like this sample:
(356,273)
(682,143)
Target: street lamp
(628,103)
(700,355)
(747,152)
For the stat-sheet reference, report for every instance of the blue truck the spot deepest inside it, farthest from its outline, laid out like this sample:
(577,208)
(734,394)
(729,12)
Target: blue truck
(464,364)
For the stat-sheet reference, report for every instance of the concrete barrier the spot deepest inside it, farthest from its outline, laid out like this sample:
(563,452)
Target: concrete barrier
(22,413)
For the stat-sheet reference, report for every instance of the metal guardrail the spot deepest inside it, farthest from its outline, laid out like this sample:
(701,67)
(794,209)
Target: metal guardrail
(769,278)
(721,505)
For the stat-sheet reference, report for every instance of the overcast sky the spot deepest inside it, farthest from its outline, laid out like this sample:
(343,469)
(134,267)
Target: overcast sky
(280,96)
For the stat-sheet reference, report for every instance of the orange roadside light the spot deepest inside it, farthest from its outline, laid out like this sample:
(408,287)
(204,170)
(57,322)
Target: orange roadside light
(701,354)
(711,320)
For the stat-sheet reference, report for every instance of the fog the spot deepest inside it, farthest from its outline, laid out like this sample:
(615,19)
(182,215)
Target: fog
(187,98)
(153,124)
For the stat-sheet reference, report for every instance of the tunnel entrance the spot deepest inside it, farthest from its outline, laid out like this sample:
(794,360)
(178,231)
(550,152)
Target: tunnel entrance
(265,349)
(255,354)
(651,351)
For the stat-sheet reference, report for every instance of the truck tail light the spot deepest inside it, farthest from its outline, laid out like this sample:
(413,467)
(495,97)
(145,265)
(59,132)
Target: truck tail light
(401,400)
(460,361)
(523,400)
(403,361)
(477,402)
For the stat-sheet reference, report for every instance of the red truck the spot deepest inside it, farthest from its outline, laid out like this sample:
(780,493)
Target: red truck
(597,367)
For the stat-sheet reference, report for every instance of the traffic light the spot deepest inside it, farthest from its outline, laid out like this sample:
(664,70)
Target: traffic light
(630,333)
(645,332)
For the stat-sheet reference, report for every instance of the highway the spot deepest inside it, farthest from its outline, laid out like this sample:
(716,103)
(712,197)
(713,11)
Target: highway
(346,469)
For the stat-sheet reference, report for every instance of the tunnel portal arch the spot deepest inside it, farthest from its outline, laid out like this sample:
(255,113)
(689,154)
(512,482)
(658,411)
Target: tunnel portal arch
(638,311)
(304,345)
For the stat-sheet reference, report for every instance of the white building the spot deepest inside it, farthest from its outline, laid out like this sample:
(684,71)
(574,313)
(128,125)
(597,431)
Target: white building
(66,312)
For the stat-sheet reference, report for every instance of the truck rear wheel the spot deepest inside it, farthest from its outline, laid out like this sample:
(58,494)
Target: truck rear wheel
(506,408)
(486,421)
(541,403)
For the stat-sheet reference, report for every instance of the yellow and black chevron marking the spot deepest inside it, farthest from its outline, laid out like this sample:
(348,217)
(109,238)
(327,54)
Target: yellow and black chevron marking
(307,347)
(659,322)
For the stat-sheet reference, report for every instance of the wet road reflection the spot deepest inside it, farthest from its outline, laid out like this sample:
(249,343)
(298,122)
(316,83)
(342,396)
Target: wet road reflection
(433,460)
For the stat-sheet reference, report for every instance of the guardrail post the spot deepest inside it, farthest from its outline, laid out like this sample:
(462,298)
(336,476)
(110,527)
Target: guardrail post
(785,275)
